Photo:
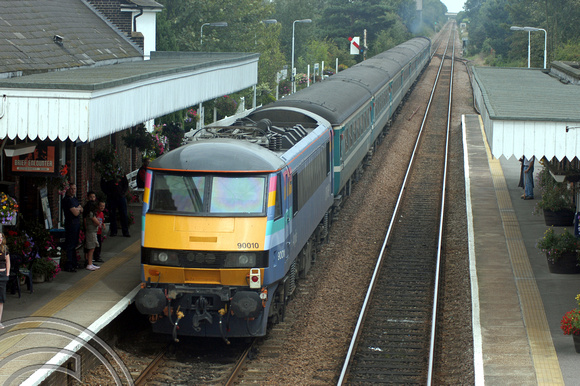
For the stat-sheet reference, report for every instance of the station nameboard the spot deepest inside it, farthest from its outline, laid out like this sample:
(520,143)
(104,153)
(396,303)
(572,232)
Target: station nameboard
(41,161)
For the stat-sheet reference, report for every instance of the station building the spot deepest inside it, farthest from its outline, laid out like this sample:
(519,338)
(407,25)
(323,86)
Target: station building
(532,112)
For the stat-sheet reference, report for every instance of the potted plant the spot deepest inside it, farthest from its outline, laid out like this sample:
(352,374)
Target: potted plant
(19,243)
(556,203)
(561,251)
(570,324)
(43,268)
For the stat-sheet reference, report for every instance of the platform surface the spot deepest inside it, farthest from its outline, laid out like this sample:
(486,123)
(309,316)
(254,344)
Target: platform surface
(517,332)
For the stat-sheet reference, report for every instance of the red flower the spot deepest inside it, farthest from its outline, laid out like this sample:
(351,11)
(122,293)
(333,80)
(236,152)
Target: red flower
(570,323)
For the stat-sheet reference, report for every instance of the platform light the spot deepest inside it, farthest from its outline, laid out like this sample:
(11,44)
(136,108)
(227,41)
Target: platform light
(216,24)
(533,29)
(292,68)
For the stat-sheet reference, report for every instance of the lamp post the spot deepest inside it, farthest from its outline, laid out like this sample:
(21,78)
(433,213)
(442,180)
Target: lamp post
(292,68)
(514,28)
(545,41)
(533,29)
(216,24)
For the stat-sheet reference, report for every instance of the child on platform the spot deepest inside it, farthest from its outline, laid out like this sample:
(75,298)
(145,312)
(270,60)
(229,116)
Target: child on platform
(102,228)
(91,225)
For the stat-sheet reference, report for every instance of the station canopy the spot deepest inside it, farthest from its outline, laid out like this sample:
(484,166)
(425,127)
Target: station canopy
(88,103)
(528,112)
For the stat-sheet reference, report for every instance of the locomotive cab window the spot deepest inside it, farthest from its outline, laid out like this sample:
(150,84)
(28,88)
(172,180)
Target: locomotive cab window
(208,194)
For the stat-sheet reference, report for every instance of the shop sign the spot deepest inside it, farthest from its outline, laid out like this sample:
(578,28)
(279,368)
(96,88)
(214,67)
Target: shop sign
(41,161)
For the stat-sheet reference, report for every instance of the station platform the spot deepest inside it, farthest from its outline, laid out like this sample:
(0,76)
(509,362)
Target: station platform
(517,302)
(60,316)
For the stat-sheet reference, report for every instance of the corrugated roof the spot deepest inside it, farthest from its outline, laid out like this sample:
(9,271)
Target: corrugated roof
(527,94)
(28,27)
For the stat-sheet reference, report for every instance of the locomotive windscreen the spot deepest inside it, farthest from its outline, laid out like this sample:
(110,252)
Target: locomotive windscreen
(208,194)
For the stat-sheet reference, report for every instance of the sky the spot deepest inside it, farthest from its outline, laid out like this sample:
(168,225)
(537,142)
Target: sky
(454,5)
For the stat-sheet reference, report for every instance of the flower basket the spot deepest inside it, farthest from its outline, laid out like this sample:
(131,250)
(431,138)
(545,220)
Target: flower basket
(559,218)
(44,267)
(570,324)
(556,203)
(8,209)
(561,251)
(566,264)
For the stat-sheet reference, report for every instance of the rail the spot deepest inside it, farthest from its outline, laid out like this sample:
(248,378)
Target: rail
(372,284)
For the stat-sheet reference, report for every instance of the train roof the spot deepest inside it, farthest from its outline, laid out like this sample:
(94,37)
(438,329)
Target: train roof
(332,99)
(223,155)
(339,96)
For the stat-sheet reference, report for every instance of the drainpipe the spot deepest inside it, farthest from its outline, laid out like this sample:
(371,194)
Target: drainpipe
(135,19)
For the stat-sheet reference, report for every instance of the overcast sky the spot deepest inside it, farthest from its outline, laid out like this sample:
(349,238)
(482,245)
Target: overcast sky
(454,5)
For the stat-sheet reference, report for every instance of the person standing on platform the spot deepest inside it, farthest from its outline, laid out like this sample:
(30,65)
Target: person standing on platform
(116,191)
(102,228)
(72,225)
(528,178)
(4,273)
(142,173)
(91,226)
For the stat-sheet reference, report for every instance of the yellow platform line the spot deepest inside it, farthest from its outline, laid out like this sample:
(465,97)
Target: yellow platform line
(71,294)
(543,353)
(79,288)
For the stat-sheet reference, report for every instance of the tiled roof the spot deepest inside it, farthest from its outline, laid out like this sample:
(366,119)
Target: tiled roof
(28,28)
(146,3)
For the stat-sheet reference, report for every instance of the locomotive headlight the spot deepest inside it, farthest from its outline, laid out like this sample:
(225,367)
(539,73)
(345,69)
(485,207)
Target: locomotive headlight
(169,258)
(240,260)
(244,259)
(210,258)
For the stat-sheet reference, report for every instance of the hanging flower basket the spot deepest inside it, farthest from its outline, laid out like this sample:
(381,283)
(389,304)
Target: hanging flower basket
(8,209)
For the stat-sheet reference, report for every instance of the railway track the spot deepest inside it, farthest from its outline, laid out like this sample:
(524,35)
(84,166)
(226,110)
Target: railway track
(195,361)
(395,334)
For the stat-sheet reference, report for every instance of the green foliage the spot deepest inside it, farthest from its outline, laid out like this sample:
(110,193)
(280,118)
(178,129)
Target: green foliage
(554,245)
(389,38)
(174,134)
(387,23)
(44,266)
(569,51)
(264,94)
(555,195)
(226,106)
(140,139)
(107,163)
(490,22)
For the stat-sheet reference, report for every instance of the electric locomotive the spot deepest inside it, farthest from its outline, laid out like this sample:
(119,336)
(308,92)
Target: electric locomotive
(232,220)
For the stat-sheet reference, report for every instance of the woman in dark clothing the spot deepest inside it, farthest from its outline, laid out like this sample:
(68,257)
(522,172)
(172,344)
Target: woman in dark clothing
(4,273)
